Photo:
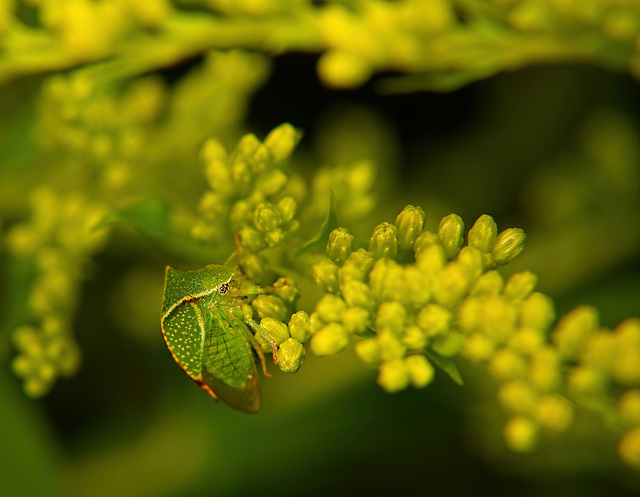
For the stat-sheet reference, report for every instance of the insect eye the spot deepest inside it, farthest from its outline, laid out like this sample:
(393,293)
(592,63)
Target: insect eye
(224,288)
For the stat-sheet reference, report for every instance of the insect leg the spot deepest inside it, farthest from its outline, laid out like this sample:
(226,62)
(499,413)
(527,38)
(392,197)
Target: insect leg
(236,252)
(266,336)
(258,350)
(273,288)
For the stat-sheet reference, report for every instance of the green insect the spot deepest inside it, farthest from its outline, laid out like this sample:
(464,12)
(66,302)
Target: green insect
(208,327)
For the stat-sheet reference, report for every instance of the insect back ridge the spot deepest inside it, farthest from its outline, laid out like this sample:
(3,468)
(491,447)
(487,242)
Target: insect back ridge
(206,330)
(181,286)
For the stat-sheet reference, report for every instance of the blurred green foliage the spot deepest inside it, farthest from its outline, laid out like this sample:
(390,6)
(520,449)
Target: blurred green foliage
(111,116)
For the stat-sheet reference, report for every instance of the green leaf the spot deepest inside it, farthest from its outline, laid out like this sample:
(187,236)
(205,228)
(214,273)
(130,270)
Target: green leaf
(447,365)
(149,217)
(330,223)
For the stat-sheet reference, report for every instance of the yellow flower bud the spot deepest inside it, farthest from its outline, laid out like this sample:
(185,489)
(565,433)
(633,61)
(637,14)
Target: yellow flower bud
(35,387)
(537,312)
(251,239)
(270,306)
(325,274)
(478,347)
(431,259)
(357,266)
(490,283)
(573,331)
(520,286)
(281,141)
(586,381)
(629,406)
(451,284)
(508,245)
(288,208)
(247,146)
(368,351)
(416,291)
(394,376)
(213,150)
(343,69)
(544,371)
(469,314)
(629,447)
(275,329)
(600,351)
(291,355)
(526,340)
(409,223)
(421,371)
(22,366)
(386,280)
(507,364)
(414,338)
(521,434)
(267,217)
(329,308)
(434,320)
(355,320)
(392,316)
(517,396)
(483,233)
(241,215)
(390,345)
(471,258)
(271,182)
(218,175)
(384,241)
(554,412)
(357,294)
(625,368)
(299,326)
(329,340)
(498,318)
(340,245)
(451,232)
(426,239)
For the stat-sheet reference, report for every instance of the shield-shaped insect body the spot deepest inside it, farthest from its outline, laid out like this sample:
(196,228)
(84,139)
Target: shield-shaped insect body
(207,335)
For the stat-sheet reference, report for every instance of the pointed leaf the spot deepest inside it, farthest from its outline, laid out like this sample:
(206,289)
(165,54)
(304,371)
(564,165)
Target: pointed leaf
(149,217)
(447,365)
(330,223)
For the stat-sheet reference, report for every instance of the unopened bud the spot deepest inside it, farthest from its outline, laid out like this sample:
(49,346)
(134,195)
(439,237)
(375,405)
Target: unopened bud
(267,217)
(291,355)
(508,245)
(281,141)
(483,233)
(409,223)
(451,232)
(340,245)
(384,241)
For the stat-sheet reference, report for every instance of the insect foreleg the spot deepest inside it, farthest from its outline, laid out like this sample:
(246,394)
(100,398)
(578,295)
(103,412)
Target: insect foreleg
(266,336)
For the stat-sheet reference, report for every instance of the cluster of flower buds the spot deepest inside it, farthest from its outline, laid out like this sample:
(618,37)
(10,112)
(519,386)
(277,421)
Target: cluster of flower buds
(56,242)
(404,311)
(417,298)
(274,310)
(251,195)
